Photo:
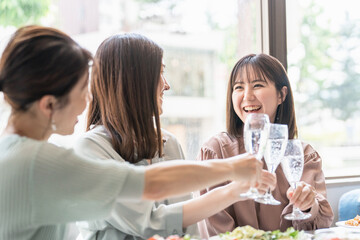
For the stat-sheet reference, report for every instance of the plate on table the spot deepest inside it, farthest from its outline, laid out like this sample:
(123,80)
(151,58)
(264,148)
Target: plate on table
(342,224)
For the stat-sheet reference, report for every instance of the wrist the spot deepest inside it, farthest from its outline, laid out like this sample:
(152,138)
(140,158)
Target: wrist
(232,192)
(224,168)
(231,169)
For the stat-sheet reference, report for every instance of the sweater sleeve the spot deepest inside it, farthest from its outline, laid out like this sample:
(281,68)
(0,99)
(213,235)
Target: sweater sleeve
(144,219)
(222,221)
(321,213)
(136,218)
(67,187)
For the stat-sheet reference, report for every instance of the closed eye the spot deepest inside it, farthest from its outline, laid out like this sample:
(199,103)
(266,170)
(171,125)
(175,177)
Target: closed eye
(258,85)
(238,87)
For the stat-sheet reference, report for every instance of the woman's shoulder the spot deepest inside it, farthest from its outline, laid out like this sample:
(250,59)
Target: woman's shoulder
(18,151)
(309,152)
(19,145)
(221,144)
(172,148)
(221,139)
(96,143)
(308,148)
(168,136)
(96,133)
(97,137)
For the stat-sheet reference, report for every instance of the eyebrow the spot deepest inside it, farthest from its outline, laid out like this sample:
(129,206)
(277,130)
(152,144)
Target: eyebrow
(252,81)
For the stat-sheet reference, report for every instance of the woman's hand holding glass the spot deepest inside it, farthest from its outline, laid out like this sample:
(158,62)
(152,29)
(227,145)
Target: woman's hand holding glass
(293,165)
(246,172)
(303,197)
(255,137)
(275,149)
(246,169)
(266,182)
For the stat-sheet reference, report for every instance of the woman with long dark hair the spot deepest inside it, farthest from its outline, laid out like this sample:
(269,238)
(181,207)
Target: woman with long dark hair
(127,85)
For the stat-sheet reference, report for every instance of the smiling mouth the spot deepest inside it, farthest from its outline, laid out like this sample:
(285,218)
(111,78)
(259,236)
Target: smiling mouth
(250,109)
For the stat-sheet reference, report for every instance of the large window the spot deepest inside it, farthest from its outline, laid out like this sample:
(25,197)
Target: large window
(323,65)
(202,40)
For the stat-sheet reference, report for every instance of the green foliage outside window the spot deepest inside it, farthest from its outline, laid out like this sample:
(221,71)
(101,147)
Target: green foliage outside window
(22,12)
(324,52)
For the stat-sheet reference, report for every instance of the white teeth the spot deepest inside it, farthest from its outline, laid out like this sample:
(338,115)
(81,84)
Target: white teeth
(252,108)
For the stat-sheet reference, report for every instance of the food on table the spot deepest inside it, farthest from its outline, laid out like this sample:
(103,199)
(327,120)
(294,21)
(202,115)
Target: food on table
(248,232)
(353,222)
(172,237)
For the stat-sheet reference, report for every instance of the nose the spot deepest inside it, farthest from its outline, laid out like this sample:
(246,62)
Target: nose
(248,94)
(166,84)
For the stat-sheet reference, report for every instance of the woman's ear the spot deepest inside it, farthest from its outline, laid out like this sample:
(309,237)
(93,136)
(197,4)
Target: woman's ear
(283,94)
(47,105)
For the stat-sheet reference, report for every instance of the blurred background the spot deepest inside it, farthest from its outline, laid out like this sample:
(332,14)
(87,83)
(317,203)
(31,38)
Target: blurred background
(203,39)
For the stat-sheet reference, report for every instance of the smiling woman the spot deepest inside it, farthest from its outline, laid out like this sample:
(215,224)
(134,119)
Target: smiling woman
(256,96)
(259,83)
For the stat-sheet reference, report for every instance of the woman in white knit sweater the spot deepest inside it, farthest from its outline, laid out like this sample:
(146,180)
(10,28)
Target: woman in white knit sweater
(128,85)
(44,78)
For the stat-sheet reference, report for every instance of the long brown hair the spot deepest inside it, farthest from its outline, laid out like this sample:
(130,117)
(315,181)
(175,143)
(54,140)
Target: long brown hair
(266,67)
(40,61)
(124,85)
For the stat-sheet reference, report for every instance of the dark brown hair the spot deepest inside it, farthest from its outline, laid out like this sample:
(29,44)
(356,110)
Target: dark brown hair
(265,67)
(40,61)
(124,85)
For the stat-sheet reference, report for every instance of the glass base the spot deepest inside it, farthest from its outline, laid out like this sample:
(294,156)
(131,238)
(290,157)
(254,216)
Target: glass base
(252,193)
(297,215)
(267,199)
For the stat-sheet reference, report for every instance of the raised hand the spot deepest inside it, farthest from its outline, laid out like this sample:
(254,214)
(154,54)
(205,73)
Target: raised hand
(303,197)
(246,169)
(266,181)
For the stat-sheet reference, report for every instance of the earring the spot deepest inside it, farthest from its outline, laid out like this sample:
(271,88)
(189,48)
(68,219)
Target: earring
(53,125)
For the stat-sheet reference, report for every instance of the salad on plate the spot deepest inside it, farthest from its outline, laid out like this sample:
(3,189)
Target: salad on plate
(248,232)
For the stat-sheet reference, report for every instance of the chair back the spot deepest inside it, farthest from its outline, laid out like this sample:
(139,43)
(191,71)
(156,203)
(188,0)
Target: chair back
(349,205)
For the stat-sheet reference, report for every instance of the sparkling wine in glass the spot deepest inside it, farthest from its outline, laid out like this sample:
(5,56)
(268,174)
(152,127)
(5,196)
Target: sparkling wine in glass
(274,152)
(292,165)
(256,130)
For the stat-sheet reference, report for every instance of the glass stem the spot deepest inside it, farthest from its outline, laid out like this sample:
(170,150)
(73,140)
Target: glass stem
(297,210)
(271,170)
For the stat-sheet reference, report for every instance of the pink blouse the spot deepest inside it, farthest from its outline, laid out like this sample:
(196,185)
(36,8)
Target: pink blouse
(261,216)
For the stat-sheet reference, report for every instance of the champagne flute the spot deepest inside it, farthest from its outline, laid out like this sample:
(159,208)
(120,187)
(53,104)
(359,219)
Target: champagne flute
(293,165)
(255,137)
(274,152)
